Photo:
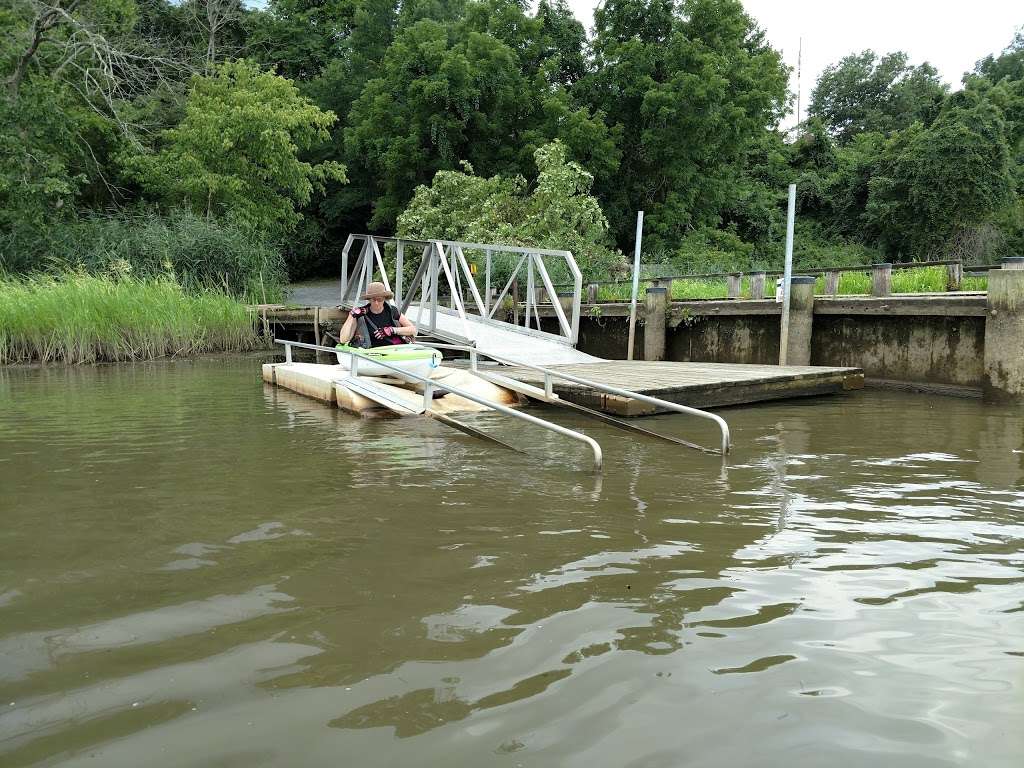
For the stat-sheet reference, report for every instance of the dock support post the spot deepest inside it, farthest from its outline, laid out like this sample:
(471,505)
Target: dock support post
(316,329)
(734,285)
(757,285)
(881,279)
(655,309)
(565,299)
(592,289)
(954,276)
(832,282)
(801,319)
(1004,333)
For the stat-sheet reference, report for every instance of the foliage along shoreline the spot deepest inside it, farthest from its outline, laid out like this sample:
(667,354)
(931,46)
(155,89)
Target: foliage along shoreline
(81,318)
(191,129)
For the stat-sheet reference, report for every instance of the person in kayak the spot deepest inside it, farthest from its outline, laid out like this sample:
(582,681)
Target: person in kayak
(381,322)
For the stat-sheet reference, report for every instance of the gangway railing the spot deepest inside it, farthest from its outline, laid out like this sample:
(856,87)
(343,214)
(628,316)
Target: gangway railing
(445,271)
(429,385)
(549,396)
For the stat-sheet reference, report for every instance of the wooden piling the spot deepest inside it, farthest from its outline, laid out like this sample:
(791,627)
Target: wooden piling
(757,285)
(881,279)
(735,285)
(655,309)
(954,276)
(316,329)
(832,282)
(801,320)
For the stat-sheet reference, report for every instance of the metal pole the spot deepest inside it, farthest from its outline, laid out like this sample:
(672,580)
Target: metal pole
(636,285)
(487,286)
(399,267)
(787,278)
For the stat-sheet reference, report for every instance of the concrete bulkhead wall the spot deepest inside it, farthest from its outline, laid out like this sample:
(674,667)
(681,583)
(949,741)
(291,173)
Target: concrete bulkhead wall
(924,349)
(1004,332)
(933,339)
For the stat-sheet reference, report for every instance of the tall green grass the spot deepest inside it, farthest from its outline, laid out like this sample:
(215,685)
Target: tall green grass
(711,288)
(850,284)
(81,318)
(920,280)
(974,283)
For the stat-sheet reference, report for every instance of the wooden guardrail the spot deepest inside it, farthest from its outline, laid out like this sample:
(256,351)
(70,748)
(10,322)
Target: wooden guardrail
(881,277)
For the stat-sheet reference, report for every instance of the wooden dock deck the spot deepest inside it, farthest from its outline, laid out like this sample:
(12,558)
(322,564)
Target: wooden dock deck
(699,385)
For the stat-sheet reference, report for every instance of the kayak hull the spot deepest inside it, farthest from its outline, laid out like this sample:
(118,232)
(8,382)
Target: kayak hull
(411,358)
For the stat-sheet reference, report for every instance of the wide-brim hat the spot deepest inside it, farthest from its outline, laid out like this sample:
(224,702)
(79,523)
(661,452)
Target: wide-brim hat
(377,291)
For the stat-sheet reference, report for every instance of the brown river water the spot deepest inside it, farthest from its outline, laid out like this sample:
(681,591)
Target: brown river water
(196,570)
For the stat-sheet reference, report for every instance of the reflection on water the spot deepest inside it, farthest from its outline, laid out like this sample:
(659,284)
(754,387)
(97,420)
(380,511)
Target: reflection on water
(196,570)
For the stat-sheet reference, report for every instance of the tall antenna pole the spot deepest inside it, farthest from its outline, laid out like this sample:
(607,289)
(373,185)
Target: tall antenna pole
(799,57)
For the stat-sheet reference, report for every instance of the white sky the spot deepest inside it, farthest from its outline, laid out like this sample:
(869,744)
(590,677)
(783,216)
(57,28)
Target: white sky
(950,35)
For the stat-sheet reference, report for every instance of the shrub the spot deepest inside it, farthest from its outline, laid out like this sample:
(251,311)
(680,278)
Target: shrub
(199,253)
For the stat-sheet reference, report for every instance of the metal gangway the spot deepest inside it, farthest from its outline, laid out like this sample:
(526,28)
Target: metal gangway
(371,390)
(490,324)
(442,297)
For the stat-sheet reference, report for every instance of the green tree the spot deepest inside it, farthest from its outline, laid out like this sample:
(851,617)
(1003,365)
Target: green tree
(236,151)
(863,92)
(1009,65)
(690,86)
(558,212)
(563,42)
(448,92)
(300,38)
(930,183)
(755,211)
(68,67)
(43,164)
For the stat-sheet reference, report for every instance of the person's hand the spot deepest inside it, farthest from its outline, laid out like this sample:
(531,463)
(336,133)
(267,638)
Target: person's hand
(384,333)
(356,311)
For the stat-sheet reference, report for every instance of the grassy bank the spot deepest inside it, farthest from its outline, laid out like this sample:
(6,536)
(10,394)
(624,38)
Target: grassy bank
(922,280)
(81,318)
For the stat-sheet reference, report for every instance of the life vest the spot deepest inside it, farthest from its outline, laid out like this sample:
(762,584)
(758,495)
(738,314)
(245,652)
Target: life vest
(365,327)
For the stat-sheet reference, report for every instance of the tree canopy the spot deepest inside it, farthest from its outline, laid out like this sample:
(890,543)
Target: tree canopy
(689,88)
(558,212)
(298,122)
(864,92)
(235,153)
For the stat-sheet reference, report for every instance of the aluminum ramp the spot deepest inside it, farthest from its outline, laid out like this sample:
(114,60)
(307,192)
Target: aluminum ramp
(493,339)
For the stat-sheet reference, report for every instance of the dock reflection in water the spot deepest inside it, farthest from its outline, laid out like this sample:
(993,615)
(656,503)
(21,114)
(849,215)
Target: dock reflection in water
(195,571)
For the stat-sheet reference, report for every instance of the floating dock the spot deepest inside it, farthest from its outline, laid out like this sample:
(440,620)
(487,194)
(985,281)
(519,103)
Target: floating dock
(698,385)
(330,384)
(511,358)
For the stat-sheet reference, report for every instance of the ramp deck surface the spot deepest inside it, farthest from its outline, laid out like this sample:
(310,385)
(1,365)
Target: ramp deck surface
(503,339)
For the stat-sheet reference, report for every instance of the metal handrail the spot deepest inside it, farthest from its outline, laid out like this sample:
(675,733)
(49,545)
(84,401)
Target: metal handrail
(446,260)
(474,354)
(429,385)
